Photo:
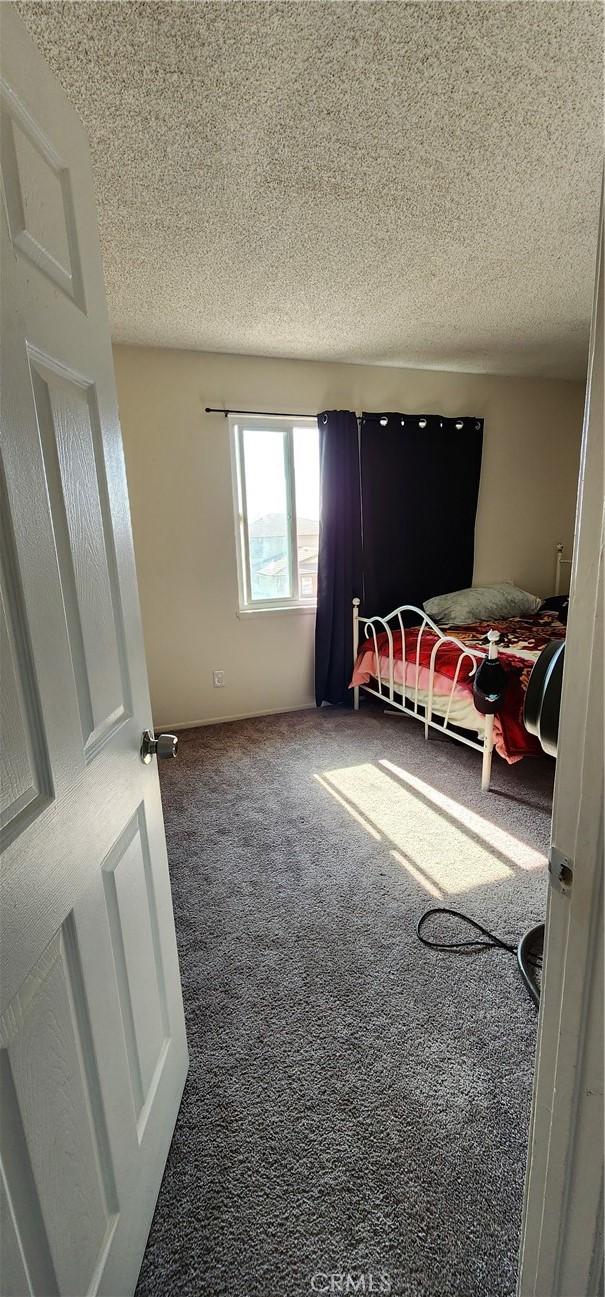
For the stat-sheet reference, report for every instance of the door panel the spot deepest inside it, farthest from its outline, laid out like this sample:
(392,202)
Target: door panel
(50,1097)
(133,924)
(38,197)
(25,777)
(68,425)
(93,1054)
(20,786)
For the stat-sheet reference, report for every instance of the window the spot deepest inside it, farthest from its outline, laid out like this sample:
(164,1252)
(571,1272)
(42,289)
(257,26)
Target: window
(276,486)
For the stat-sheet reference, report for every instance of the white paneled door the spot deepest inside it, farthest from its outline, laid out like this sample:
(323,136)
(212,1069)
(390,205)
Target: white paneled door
(93,1053)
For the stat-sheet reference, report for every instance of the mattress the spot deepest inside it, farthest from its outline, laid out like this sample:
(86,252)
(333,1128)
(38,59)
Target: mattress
(462,711)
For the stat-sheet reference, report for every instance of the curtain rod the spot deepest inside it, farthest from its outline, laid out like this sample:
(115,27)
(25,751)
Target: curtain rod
(286,414)
(260,414)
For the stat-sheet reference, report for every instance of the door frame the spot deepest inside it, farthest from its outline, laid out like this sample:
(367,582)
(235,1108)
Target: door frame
(562,1230)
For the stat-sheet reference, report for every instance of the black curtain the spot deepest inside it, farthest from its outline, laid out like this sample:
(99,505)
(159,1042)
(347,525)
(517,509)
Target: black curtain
(420,482)
(339,572)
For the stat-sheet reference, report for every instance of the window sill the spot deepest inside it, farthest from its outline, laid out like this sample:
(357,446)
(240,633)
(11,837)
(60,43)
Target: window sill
(279,609)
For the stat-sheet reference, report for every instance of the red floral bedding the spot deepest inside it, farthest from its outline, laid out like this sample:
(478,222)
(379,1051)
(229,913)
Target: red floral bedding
(521,641)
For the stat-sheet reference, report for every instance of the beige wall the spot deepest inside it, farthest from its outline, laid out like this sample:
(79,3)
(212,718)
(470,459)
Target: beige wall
(179,476)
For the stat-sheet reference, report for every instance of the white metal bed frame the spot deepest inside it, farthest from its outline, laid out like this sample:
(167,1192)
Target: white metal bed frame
(386,690)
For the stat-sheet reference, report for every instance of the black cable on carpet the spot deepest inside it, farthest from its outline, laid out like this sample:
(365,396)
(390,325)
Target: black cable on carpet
(529,950)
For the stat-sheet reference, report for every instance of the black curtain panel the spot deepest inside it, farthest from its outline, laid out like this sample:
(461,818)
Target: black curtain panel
(339,574)
(420,482)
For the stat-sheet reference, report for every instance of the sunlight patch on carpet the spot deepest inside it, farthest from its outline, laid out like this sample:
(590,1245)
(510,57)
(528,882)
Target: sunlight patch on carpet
(443,852)
(515,850)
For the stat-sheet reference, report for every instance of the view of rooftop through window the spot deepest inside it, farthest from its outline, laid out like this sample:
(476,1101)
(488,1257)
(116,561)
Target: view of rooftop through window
(279,492)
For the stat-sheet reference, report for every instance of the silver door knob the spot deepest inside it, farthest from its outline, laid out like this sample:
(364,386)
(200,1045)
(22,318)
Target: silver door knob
(164,746)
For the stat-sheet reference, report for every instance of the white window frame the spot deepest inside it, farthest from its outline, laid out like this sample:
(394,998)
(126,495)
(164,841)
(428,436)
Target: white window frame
(237,425)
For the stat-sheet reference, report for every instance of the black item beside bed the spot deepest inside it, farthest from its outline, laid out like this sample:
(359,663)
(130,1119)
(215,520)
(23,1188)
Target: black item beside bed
(558,603)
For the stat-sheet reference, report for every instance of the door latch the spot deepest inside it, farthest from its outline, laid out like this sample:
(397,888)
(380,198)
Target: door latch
(560,870)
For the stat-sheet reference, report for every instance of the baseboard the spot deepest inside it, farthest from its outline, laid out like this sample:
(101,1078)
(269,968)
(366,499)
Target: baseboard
(225,720)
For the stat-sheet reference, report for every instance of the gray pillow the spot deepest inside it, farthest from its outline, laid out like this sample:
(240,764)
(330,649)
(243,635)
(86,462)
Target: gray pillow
(481,603)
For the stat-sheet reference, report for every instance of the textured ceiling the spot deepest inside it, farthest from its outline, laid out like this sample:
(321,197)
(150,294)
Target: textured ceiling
(396,183)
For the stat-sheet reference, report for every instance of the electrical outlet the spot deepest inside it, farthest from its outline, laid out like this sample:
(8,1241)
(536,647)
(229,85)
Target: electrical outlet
(218,679)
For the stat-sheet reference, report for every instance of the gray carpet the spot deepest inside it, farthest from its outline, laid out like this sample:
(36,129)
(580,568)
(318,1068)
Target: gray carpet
(356,1104)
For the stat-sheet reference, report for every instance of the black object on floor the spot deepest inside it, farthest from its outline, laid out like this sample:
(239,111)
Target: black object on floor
(529,950)
(530,957)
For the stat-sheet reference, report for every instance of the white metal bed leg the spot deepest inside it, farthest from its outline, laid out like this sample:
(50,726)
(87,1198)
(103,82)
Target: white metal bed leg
(488,748)
(355,650)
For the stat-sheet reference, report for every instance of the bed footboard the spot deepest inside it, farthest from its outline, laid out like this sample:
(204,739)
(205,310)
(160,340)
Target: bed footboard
(419,709)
